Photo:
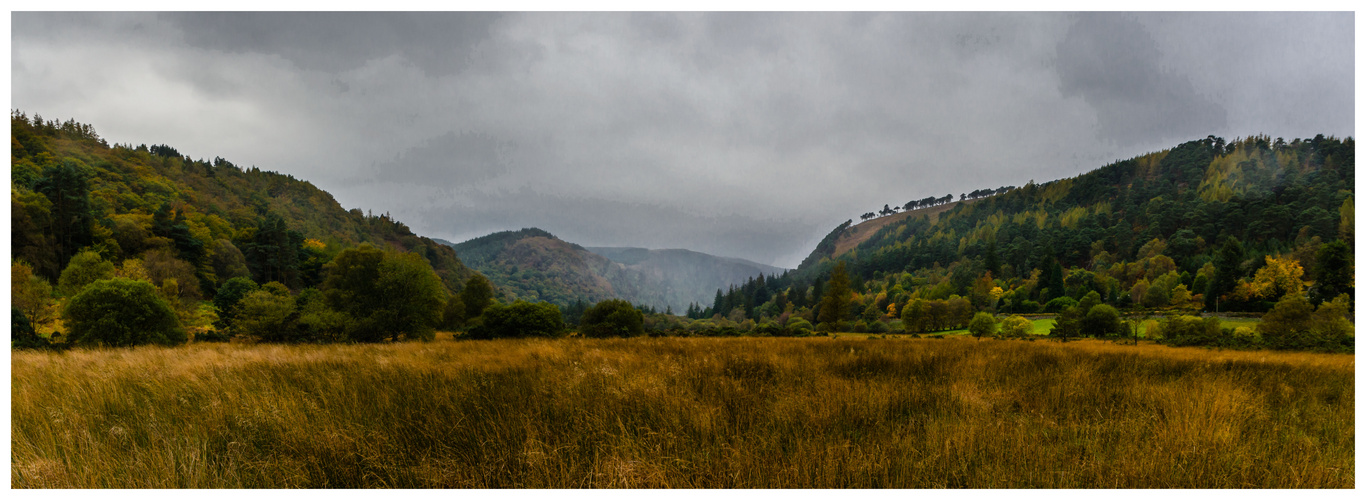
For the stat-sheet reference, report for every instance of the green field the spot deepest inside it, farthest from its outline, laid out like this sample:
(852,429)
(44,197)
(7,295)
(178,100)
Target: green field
(1041,327)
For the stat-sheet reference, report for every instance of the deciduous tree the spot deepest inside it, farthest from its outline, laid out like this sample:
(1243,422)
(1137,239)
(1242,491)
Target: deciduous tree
(476,295)
(120,312)
(85,268)
(983,324)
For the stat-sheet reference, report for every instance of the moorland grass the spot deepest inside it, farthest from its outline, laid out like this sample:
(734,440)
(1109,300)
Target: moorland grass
(683,412)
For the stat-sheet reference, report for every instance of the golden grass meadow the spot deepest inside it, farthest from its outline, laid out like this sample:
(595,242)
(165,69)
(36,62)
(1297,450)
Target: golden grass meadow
(683,413)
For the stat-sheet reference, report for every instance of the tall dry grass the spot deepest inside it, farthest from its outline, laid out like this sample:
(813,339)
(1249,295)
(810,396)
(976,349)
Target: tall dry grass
(673,412)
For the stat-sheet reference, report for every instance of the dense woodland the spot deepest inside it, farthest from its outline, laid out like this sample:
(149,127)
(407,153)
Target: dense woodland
(1250,226)
(1209,226)
(83,210)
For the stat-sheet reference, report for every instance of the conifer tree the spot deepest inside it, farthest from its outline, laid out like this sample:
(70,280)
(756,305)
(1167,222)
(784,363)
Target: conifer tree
(68,188)
(835,302)
(1226,272)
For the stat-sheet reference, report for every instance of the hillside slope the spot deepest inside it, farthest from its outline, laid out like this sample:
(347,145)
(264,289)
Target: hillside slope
(857,234)
(1270,195)
(1209,224)
(220,219)
(685,277)
(532,264)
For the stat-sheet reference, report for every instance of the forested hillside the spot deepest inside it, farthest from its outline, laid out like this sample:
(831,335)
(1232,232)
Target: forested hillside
(1207,225)
(1135,220)
(83,211)
(70,190)
(1254,225)
(532,264)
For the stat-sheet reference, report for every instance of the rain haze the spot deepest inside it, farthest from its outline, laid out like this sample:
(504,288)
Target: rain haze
(738,134)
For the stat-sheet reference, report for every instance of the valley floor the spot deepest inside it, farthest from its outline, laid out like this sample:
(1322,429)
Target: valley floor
(683,412)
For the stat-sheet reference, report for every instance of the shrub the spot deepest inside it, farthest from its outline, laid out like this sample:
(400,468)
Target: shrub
(1060,303)
(227,299)
(799,327)
(266,315)
(121,312)
(1189,330)
(612,318)
(31,294)
(1028,307)
(1101,321)
(22,335)
(1092,299)
(1016,327)
(1332,320)
(453,317)
(1287,324)
(316,322)
(700,325)
(212,335)
(163,267)
(1294,324)
(520,319)
(768,329)
(85,268)
(878,327)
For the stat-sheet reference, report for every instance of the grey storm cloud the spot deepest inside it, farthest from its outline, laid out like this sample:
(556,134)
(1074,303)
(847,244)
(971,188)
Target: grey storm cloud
(739,134)
(1115,64)
(338,41)
(451,158)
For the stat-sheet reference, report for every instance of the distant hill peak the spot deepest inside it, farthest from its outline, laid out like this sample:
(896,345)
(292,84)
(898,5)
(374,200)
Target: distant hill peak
(533,264)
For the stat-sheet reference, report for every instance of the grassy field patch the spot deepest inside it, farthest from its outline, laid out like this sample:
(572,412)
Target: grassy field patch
(680,412)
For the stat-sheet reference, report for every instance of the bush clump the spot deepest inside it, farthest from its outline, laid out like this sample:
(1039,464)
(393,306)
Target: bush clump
(120,312)
(22,334)
(519,319)
(1059,304)
(612,318)
(1016,327)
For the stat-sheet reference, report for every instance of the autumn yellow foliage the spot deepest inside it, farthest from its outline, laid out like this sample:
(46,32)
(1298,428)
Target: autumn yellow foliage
(1280,276)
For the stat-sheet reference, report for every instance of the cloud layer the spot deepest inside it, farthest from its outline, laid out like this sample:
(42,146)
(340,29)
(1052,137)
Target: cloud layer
(747,135)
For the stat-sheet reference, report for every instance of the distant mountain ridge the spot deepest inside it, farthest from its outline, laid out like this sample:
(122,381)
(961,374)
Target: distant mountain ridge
(685,276)
(533,264)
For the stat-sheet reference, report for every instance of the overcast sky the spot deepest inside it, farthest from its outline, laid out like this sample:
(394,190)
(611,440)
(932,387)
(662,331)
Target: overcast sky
(743,135)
